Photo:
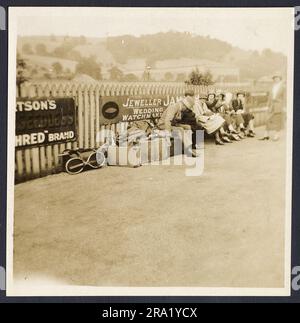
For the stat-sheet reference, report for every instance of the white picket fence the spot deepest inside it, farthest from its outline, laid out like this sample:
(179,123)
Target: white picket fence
(41,161)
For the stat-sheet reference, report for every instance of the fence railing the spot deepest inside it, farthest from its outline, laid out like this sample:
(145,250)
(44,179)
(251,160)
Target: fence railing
(41,161)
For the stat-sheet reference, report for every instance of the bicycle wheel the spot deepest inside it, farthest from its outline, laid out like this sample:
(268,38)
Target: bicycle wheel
(74,166)
(96,160)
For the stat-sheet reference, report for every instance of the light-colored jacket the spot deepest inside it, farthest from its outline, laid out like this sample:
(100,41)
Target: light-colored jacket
(173,110)
(277,104)
(200,108)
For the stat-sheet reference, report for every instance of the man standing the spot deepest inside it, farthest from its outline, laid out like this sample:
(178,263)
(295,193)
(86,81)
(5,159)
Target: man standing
(277,105)
(170,117)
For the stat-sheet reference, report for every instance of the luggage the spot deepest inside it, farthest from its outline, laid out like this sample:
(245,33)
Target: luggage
(155,149)
(129,156)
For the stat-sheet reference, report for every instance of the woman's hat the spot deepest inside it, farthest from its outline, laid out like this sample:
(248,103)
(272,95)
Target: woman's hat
(202,96)
(220,92)
(277,74)
(211,93)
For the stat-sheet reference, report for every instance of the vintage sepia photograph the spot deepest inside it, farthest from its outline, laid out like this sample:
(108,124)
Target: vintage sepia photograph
(149,151)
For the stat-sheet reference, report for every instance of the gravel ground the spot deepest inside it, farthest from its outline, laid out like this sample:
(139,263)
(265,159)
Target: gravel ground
(154,226)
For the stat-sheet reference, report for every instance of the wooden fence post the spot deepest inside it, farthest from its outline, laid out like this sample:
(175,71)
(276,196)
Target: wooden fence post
(34,162)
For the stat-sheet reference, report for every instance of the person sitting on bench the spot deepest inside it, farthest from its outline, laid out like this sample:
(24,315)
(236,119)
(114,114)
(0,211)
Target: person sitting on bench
(223,109)
(238,105)
(173,113)
(207,120)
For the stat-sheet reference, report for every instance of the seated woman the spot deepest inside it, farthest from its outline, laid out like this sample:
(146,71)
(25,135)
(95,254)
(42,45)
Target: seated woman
(200,117)
(238,105)
(221,107)
(214,104)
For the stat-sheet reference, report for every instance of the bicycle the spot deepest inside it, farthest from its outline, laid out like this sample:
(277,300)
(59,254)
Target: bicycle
(75,160)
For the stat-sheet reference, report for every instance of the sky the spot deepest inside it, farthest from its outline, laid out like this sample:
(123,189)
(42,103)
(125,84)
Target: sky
(250,29)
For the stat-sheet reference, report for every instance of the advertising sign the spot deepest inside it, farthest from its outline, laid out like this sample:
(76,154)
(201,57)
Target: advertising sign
(44,121)
(134,108)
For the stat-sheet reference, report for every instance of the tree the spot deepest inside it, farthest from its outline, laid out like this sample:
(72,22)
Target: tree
(27,49)
(68,74)
(47,76)
(57,67)
(208,78)
(82,40)
(164,45)
(61,51)
(130,78)
(90,67)
(53,38)
(34,72)
(198,78)
(41,49)
(267,53)
(73,55)
(115,74)
(181,77)
(168,76)
(22,72)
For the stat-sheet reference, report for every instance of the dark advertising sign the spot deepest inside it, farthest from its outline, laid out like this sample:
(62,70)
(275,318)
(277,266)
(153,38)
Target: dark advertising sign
(133,108)
(44,121)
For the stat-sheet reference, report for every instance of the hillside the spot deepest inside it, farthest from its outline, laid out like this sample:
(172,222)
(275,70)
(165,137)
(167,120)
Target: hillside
(48,61)
(170,55)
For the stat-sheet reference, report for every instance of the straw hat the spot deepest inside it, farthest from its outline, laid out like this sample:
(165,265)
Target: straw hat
(189,102)
(202,96)
(189,93)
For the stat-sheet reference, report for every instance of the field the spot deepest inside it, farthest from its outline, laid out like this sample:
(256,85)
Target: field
(47,61)
(154,226)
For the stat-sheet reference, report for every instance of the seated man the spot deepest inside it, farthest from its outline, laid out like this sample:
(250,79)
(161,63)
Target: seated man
(238,105)
(174,112)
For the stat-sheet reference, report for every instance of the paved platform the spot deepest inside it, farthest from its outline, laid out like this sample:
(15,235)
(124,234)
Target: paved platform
(154,226)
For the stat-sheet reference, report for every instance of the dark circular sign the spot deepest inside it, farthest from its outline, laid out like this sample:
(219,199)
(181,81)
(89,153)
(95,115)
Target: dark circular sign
(110,110)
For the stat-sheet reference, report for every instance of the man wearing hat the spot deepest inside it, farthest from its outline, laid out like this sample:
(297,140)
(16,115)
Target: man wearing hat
(277,105)
(238,105)
(173,114)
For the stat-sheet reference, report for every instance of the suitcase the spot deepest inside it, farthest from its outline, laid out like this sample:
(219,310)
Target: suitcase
(124,156)
(156,149)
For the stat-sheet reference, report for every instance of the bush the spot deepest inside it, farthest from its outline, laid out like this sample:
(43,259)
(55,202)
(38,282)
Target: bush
(41,49)
(90,67)
(198,78)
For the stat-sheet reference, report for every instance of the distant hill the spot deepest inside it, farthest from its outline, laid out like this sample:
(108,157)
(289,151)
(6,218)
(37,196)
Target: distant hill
(176,45)
(172,53)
